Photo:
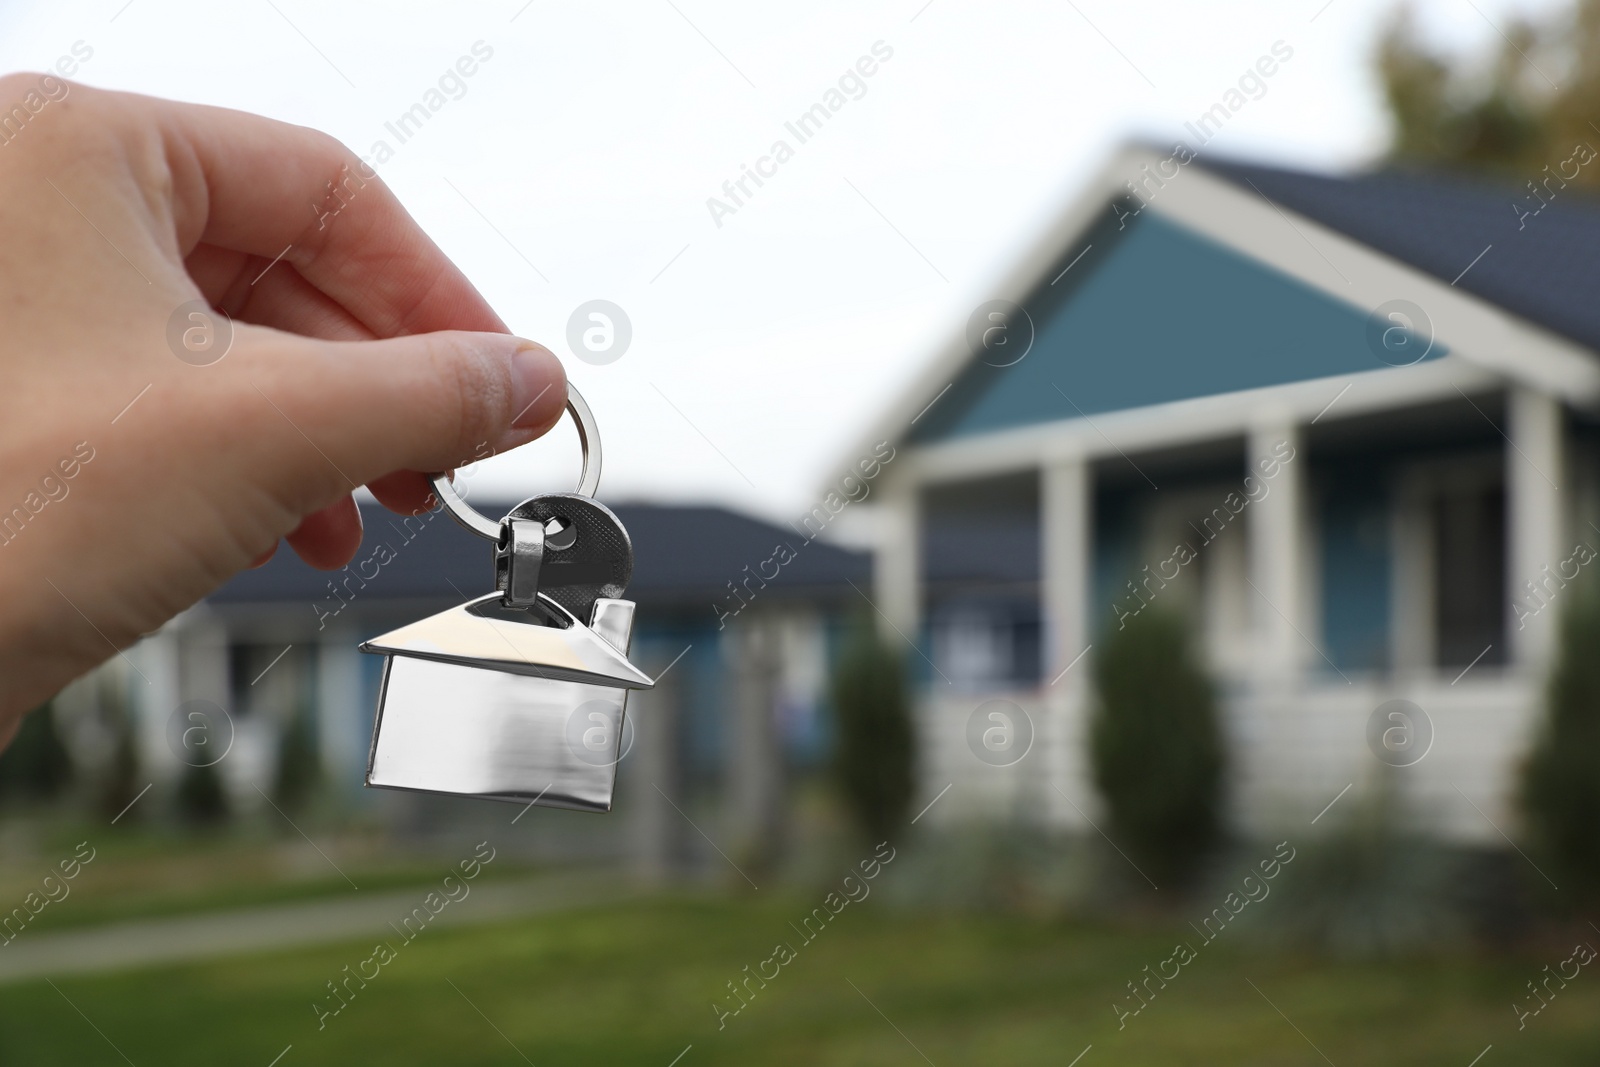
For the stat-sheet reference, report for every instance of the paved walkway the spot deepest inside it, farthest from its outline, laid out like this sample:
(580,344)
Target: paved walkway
(213,935)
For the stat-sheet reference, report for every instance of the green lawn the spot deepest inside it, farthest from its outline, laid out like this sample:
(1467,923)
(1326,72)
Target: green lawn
(143,872)
(634,984)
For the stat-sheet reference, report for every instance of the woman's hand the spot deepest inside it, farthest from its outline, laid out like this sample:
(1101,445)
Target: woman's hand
(138,470)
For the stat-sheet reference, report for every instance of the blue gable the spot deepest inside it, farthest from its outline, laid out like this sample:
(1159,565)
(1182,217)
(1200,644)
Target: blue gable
(1154,312)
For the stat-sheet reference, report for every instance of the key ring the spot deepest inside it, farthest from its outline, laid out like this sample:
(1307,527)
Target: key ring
(588,479)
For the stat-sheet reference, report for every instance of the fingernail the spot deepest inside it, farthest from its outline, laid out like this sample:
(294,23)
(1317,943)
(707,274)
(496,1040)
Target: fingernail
(538,387)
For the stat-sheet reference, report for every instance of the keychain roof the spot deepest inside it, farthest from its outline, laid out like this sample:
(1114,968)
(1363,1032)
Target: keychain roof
(481,633)
(537,635)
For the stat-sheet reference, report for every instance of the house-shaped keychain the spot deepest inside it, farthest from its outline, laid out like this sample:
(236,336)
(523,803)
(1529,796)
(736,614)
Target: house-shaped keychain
(511,696)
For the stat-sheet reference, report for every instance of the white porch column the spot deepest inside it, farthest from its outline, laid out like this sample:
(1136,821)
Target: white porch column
(1066,508)
(1065,512)
(651,774)
(1276,458)
(343,718)
(1535,526)
(897,561)
(152,692)
(204,673)
(756,792)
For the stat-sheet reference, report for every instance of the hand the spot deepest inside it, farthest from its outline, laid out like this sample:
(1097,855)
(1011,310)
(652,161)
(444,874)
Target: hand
(115,211)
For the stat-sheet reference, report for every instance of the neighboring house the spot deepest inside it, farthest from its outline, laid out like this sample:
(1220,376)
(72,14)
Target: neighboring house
(742,701)
(1212,403)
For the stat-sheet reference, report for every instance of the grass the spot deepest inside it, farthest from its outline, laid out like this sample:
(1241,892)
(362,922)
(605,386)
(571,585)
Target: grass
(143,872)
(634,984)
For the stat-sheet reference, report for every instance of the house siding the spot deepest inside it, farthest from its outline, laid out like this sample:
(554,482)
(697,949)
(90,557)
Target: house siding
(1155,313)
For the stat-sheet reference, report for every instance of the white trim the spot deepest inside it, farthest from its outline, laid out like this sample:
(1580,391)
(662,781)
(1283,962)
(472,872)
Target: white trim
(1183,421)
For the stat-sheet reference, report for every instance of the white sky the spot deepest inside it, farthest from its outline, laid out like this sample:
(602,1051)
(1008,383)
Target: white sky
(593,137)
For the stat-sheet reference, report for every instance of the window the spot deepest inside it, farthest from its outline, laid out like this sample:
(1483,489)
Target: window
(1469,579)
(981,559)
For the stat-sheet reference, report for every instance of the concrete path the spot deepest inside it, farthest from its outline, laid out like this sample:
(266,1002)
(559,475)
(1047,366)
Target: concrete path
(213,935)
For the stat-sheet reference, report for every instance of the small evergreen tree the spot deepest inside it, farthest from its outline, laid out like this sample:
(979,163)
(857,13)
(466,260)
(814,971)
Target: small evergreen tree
(1561,782)
(36,765)
(120,785)
(1156,748)
(874,759)
(201,799)
(299,767)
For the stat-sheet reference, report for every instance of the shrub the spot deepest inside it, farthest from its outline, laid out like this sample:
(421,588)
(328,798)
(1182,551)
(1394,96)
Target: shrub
(120,783)
(36,765)
(876,749)
(1156,748)
(1367,884)
(201,798)
(299,767)
(1560,784)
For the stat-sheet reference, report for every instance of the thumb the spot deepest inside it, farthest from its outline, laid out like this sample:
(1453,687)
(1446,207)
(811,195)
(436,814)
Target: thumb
(424,402)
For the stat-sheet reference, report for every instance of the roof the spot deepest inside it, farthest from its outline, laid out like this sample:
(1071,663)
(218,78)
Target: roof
(1542,266)
(1517,313)
(682,555)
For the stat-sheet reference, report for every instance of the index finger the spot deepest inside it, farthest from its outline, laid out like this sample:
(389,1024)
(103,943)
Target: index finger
(259,186)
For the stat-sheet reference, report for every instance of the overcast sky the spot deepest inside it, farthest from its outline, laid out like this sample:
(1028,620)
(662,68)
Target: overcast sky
(576,163)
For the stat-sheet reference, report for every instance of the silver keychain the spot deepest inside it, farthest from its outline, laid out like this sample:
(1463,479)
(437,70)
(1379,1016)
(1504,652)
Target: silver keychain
(512,696)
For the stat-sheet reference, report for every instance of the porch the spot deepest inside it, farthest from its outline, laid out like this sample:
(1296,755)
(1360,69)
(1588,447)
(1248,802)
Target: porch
(1335,545)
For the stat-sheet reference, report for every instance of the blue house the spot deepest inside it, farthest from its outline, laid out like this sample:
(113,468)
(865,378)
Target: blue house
(1347,426)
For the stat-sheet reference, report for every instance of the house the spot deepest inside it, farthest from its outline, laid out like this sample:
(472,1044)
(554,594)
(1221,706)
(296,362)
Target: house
(1347,426)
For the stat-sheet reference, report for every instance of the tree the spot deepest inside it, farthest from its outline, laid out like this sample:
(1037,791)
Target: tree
(876,748)
(1506,116)
(1560,784)
(1156,747)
